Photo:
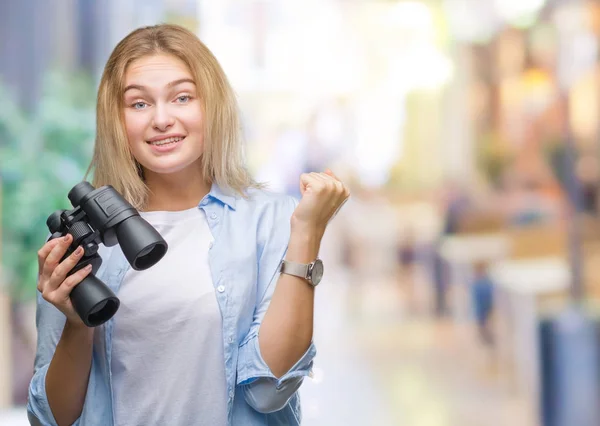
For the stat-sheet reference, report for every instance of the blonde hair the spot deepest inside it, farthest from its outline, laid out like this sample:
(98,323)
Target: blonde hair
(222,160)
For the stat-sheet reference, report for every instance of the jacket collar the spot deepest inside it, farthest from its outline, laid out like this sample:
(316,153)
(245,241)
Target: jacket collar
(224,196)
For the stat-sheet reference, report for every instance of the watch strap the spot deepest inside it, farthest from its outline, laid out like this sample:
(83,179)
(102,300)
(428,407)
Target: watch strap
(293,268)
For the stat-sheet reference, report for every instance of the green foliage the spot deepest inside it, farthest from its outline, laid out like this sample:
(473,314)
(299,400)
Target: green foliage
(42,156)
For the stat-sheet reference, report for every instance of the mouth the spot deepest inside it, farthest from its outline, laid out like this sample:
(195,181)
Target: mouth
(167,141)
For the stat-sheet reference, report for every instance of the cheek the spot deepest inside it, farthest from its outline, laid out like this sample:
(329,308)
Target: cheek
(193,119)
(134,126)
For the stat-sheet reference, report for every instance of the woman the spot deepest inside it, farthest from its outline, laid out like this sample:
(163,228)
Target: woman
(213,334)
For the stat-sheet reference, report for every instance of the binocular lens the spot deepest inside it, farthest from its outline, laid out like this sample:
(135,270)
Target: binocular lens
(102,312)
(141,243)
(93,301)
(149,256)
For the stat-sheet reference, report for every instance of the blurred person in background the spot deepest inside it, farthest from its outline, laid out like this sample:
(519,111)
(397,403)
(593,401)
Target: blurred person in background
(220,331)
(589,178)
(407,262)
(530,204)
(482,297)
(455,205)
(529,198)
(407,251)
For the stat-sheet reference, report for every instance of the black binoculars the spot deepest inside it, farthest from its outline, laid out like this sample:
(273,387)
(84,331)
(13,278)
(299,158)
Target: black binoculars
(103,216)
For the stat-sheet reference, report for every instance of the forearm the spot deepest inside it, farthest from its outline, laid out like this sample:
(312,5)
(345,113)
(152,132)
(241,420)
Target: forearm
(287,328)
(68,373)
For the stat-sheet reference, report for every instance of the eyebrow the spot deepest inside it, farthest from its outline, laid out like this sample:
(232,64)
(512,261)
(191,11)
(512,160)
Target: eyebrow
(171,84)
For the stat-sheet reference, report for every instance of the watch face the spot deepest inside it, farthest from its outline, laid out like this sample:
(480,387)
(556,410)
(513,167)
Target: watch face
(316,272)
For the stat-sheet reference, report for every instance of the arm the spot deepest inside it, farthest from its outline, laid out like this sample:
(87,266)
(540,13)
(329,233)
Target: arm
(68,373)
(287,329)
(64,347)
(279,352)
(62,364)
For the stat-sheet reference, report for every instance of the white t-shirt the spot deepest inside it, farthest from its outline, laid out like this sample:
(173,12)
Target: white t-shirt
(167,356)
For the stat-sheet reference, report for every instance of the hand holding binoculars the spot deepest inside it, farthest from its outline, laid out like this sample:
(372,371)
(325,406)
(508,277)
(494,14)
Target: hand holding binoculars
(102,215)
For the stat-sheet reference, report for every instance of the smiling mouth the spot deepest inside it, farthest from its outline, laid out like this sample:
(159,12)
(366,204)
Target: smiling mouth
(167,141)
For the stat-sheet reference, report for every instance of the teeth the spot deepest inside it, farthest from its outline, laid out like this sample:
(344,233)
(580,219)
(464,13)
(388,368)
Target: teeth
(166,141)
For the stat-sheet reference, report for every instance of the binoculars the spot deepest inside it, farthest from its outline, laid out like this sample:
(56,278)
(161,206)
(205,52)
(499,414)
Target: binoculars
(103,216)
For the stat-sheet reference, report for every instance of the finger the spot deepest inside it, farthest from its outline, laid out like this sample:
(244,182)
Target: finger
(319,183)
(336,185)
(330,173)
(321,177)
(322,184)
(311,181)
(332,180)
(45,251)
(57,252)
(61,271)
(339,188)
(345,192)
(339,185)
(304,181)
(62,293)
(328,182)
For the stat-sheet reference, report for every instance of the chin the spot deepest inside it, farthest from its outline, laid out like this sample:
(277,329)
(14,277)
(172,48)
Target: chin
(166,170)
(170,167)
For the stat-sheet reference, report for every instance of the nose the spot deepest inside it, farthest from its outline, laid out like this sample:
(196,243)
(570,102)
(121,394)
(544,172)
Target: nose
(162,119)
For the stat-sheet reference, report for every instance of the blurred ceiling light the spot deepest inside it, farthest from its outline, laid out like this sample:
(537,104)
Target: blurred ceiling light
(471,20)
(423,67)
(380,118)
(519,12)
(576,41)
(408,37)
(571,17)
(409,15)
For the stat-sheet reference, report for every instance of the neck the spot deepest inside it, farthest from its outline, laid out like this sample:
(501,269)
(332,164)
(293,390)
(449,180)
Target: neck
(176,191)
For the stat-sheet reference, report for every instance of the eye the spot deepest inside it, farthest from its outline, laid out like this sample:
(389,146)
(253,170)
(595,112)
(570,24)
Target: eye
(139,105)
(183,99)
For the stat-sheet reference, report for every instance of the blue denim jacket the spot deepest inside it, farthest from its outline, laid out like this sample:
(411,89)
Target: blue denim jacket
(250,240)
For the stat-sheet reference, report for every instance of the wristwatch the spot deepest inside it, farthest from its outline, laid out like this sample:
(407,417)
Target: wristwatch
(311,272)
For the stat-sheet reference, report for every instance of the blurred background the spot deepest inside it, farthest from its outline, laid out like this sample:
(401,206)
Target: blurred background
(463,276)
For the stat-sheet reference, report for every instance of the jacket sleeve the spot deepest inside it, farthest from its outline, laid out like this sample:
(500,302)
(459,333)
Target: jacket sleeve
(50,323)
(262,390)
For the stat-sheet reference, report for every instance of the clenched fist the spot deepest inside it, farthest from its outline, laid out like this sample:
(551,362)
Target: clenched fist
(323,194)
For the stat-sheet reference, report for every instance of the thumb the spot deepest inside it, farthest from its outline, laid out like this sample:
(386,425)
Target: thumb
(304,181)
(330,173)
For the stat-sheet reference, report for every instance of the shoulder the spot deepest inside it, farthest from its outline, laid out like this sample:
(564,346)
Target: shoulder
(266,212)
(267,202)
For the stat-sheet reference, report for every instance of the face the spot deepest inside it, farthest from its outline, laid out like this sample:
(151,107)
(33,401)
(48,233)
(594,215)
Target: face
(163,114)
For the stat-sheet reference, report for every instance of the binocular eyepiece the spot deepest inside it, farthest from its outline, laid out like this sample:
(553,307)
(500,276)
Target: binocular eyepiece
(103,216)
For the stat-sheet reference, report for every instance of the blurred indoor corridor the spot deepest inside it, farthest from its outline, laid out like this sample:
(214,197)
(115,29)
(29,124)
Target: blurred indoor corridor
(380,371)
(462,278)
(385,359)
